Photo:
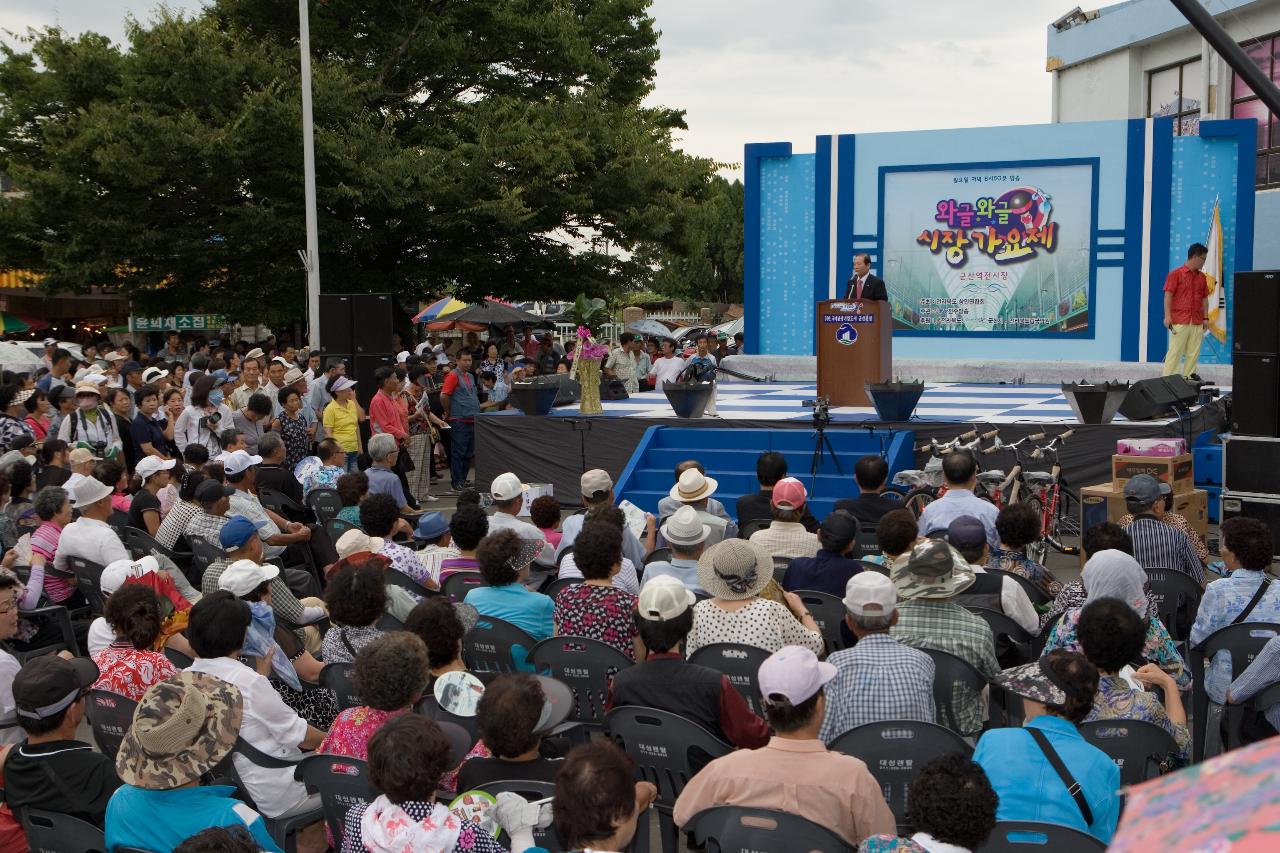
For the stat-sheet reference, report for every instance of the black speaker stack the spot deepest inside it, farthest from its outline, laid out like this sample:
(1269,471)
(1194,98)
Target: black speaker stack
(357,327)
(1251,453)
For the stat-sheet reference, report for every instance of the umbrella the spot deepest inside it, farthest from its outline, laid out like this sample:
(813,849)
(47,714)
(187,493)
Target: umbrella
(651,328)
(440,306)
(1231,802)
(35,324)
(12,323)
(728,329)
(487,313)
(13,356)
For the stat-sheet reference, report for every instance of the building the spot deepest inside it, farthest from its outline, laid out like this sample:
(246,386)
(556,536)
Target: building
(1142,59)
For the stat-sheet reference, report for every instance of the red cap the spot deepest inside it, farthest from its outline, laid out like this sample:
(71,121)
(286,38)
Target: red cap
(789,493)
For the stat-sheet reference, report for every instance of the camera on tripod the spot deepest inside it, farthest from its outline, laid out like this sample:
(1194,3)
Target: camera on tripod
(821,410)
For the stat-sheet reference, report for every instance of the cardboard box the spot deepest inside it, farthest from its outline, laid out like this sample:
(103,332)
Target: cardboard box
(1177,471)
(1105,502)
(1151,446)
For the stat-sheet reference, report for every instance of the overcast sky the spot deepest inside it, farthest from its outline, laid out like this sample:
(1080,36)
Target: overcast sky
(766,71)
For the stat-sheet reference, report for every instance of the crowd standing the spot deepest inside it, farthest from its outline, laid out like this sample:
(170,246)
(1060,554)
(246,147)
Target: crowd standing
(250,625)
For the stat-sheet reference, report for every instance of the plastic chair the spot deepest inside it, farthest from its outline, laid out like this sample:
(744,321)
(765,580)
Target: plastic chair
(50,832)
(88,577)
(490,646)
(342,783)
(62,618)
(755,524)
(895,751)
(325,503)
(657,555)
(586,667)
(395,577)
(139,543)
(564,552)
(668,750)
(110,716)
(868,566)
(741,664)
(1177,600)
(828,611)
(532,791)
(387,622)
(282,830)
(1037,595)
(282,504)
(177,658)
(338,678)
(553,589)
(1242,642)
(728,829)
(865,543)
(335,527)
(780,566)
(203,555)
(1024,836)
(951,672)
(429,707)
(458,584)
(1138,748)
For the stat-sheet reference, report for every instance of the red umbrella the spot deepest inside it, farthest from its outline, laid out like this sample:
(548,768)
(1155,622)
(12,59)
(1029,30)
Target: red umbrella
(35,323)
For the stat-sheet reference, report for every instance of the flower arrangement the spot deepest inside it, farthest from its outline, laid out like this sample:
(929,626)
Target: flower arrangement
(587,347)
(589,315)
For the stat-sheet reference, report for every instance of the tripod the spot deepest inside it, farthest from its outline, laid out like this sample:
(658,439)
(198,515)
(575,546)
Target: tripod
(821,443)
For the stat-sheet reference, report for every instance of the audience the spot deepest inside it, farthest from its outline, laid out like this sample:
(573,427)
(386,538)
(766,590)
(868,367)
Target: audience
(786,537)
(275,472)
(878,678)
(871,473)
(597,803)
(686,536)
(433,541)
(515,712)
(1030,774)
(694,489)
(831,568)
(794,772)
(380,518)
(595,608)
(597,490)
(960,473)
(1106,536)
(627,577)
(544,512)
(90,537)
(468,526)
(667,506)
(356,597)
(439,624)
(129,666)
(144,509)
(1154,542)
(171,532)
(994,592)
(508,499)
(390,675)
(734,573)
(53,506)
(771,467)
(950,804)
(174,607)
(896,534)
(1017,526)
(504,563)
(220,839)
(329,467)
(352,487)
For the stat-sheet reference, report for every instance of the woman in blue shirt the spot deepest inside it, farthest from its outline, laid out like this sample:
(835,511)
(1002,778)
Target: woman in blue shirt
(504,560)
(1057,694)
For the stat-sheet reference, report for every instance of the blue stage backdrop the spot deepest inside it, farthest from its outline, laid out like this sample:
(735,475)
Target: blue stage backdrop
(1036,242)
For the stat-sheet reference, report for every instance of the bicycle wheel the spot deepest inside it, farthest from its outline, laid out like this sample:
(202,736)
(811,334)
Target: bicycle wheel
(919,498)
(1065,522)
(1039,549)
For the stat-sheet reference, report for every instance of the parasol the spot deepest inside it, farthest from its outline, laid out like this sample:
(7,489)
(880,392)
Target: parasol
(437,308)
(13,357)
(487,313)
(650,328)
(12,323)
(35,324)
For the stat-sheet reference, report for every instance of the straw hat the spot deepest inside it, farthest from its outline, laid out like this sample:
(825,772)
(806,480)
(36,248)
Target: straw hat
(734,569)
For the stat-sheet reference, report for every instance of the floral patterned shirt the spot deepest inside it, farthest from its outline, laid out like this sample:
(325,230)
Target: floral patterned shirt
(1116,700)
(128,671)
(353,728)
(1018,563)
(1158,649)
(598,613)
(471,838)
(405,561)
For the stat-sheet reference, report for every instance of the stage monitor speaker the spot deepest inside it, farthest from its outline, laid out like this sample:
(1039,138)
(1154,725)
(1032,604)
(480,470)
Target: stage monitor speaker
(1149,398)
(335,322)
(1256,307)
(1255,393)
(1264,509)
(371,322)
(1183,390)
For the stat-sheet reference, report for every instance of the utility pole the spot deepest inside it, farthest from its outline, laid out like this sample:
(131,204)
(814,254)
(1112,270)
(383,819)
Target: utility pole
(311,260)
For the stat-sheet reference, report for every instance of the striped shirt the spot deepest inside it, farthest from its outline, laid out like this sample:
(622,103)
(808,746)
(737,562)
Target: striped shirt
(1158,545)
(948,627)
(44,541)
(785,540)
(1177,522)
(878,679)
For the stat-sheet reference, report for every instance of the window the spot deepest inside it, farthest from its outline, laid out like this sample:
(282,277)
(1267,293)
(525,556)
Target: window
(1175,91)
(1245,104)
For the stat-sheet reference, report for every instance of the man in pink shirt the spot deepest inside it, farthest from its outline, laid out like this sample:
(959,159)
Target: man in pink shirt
(388,414)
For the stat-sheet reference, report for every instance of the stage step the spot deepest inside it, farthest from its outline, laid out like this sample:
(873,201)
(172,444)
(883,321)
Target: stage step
(729,455)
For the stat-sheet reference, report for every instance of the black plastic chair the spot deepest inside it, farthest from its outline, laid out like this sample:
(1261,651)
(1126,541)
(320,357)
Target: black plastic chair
(50,832)
(429,707)
(828,611)
(282,830)
(61,617)
(458,584)
(110,716)
(553,589)
(741,664)
(532,791)
(1242,642)
(586,667)
(657,555)
(868,566)
(668,750)
(140,543)
(282,504)
(1177,600)
(865,543)
(780,566)
(895,751)
(88,581)
(203,555)
(387,622)
(1037,595)
(1024,836)
(395,577)
(564,552)
(335,527)
(177,658)
(338,677)
(1140,749)
(729,829)
(490,645)
(752,526)
(342,783)
(325,503)
(950,673)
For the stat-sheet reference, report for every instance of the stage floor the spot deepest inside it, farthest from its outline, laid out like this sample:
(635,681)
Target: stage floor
(949,402)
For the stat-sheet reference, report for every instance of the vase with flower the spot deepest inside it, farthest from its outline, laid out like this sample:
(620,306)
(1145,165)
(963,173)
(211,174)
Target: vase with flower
(590,316)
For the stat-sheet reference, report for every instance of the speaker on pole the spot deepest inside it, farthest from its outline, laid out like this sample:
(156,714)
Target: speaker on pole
(335,322)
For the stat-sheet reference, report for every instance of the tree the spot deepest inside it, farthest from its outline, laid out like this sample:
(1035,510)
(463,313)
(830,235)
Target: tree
(706,264)
(473,145)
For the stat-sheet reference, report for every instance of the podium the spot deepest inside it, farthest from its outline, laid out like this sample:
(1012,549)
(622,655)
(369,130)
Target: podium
(855,346)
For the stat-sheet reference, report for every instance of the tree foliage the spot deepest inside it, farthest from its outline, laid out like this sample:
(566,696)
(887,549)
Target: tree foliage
(705,263)
(475,145)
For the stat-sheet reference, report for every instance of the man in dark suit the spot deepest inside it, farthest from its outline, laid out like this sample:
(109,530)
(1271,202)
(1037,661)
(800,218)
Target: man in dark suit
(864,285)
(871,473)
(770,468)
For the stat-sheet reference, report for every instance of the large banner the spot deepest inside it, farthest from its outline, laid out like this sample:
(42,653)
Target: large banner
(996,248)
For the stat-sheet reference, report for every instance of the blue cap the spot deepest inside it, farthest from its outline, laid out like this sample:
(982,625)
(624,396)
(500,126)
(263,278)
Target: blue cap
(236,532)
(431,525)
(966,531)
(220,375)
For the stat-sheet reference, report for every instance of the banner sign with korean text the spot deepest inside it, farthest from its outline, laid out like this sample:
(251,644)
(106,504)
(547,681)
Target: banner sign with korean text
(178,323)
(996,248)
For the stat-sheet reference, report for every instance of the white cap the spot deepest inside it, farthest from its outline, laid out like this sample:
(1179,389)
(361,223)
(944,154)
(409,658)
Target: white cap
(115,356)
(664,598)
(256,352)
(51,342)
(89,491)
(342,383)
(870,593)
(148,465)
(354,541)
(441,358)
(282,361)
(116,573)
(95,378)
(795,673)
(151,374)
(421,348)
(402,356)
(244,576)
(240,460)
(507,487)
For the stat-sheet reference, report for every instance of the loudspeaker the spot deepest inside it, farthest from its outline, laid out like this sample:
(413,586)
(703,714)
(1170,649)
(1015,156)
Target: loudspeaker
(1255,393)
(1266,510)
(1182,389)
(335,322)
(1256,307)
(1249,463)
(612,389)
(1149,398)
(361,369)
(371,324)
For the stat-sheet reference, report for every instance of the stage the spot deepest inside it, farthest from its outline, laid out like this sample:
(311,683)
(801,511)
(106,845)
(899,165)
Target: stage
(558,447)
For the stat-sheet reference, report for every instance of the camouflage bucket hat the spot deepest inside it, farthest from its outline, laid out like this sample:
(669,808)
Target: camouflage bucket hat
(934,570)
(183,728)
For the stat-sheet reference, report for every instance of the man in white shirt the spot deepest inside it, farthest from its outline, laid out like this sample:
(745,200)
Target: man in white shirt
(667,367)
(596,487)
(216,630)
(508,498)
(960,471)
(90,537)
(967,535)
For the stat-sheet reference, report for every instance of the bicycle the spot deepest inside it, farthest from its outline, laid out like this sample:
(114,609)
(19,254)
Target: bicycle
(1046,493)
(921,487)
